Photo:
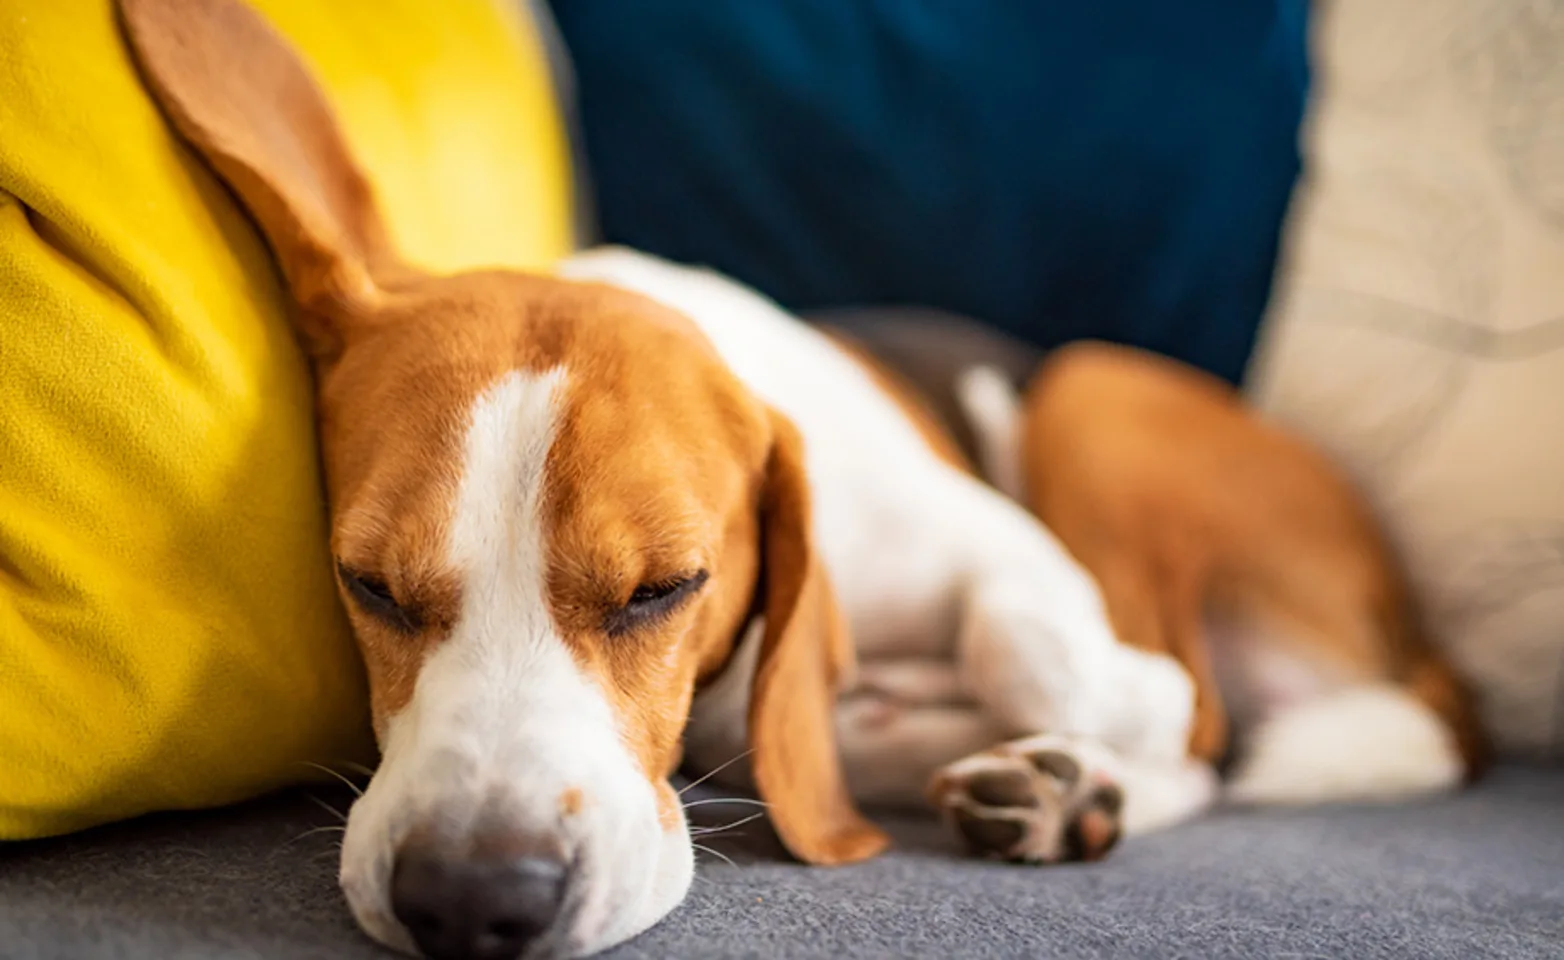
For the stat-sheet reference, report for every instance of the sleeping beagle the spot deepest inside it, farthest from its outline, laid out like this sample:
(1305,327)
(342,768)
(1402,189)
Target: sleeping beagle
(591,525)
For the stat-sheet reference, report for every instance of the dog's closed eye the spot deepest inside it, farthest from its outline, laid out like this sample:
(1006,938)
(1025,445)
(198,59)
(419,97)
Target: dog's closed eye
(374,597)
(651,602)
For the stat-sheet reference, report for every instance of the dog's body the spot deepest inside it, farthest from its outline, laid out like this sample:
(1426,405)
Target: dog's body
(572,514)
(971,625)
(1225,545)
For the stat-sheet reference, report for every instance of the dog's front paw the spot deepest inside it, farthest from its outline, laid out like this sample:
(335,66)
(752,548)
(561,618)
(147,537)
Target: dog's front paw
(1041,799)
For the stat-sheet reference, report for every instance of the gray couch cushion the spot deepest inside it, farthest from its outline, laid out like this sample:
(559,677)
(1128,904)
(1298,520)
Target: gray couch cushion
(1479,874)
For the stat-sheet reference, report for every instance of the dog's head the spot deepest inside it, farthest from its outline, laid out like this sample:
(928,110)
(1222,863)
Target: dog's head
(554,510)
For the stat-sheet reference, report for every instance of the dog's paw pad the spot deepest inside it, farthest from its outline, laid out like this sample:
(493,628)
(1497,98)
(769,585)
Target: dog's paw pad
(1031,804)
(989,834)
(1002,788)
(1095,830)
(1057,764)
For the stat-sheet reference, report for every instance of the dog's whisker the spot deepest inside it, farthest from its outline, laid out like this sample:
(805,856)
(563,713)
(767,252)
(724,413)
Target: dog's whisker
(714,771)
(329,828)
(358,768)
(739,800)
(707,837)
(358,791)
(709,831)
(327,807)
(720,856)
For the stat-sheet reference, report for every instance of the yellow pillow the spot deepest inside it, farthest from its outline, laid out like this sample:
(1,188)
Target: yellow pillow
(169,634)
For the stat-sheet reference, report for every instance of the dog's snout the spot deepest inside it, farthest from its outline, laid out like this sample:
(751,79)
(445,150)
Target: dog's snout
(475,908)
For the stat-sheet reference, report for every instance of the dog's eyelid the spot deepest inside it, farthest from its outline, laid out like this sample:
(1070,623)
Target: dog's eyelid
(653,600)
(655,589)
(374,596)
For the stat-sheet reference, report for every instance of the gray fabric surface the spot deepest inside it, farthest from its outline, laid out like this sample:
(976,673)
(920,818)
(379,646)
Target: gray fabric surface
(1479,874)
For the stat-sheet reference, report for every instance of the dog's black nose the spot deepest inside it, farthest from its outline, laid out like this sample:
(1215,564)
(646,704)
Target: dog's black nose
(473,908)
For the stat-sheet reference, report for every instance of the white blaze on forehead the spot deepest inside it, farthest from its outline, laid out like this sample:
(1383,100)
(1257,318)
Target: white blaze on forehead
(498,700)
(496,536)
(505,634)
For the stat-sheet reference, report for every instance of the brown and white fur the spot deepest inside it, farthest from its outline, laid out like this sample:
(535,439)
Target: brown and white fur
(588,524)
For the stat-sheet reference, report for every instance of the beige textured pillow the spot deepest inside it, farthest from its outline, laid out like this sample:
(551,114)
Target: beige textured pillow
(1418,326)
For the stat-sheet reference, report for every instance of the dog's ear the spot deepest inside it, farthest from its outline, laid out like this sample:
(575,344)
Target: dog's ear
(805,649)
(235,90)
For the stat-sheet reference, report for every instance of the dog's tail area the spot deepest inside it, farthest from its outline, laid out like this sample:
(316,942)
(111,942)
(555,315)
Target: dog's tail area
(1413,731)
(992,407)
(1408,727)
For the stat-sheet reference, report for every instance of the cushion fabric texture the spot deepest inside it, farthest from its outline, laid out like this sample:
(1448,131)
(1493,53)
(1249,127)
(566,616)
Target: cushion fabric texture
(1471,876)
(169,632)
(1418,329)
(1117,169)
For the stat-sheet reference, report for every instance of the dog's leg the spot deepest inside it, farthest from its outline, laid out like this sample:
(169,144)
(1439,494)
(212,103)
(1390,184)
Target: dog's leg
(1051,662)
(1114,757)
(1054,799)
(1159,610)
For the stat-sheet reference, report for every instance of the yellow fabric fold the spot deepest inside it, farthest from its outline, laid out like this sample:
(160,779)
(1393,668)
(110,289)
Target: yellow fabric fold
(169,634)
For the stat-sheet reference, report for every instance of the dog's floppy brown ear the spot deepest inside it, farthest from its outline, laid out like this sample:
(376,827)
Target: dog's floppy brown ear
(804,650)
(236,91)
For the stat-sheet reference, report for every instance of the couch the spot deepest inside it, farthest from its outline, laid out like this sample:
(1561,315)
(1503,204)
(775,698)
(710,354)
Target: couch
(1479,873)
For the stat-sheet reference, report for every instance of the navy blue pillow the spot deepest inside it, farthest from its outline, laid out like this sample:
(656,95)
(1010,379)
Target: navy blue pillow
(1116,169)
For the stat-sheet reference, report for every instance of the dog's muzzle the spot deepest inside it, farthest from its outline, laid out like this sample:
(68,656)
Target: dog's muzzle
(475,905)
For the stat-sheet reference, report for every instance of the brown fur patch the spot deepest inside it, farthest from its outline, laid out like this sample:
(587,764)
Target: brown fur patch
(1182,502)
